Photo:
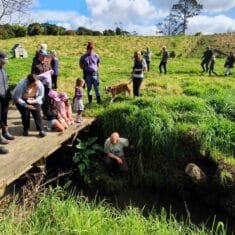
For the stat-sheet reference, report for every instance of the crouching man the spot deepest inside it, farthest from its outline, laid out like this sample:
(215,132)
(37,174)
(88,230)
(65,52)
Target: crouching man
(115,160)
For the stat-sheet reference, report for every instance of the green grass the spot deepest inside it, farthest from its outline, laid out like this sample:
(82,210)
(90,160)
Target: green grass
(55,214)
(180,117)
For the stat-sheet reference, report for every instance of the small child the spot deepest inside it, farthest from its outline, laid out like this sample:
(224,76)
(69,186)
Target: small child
(78,104)
(212,65)
(65,108)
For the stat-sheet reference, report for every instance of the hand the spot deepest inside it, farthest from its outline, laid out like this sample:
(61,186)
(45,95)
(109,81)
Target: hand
(31,101)
(119,161)
(31,107)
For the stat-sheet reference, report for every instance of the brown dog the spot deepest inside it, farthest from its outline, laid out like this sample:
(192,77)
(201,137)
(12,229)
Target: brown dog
(114,90)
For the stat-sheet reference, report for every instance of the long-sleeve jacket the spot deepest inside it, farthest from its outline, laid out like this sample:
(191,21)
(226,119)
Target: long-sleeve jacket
(3,82)
(21,89)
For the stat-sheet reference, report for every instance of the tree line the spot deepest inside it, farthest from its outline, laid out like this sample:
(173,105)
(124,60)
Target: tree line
(11,31)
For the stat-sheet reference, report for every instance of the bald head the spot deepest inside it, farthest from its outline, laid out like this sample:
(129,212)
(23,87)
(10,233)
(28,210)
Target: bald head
(114,138)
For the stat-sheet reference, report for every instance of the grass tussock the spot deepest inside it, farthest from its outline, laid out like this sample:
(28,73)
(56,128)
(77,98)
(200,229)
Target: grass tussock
(55,214)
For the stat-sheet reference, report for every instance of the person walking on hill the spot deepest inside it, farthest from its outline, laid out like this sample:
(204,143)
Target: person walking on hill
(89,63)
(147,57)
(163,63)
(229,63)
(138,72)
(206,59)
(212,65)
(5,97)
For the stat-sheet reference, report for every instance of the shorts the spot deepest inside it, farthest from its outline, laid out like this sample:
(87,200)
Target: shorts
(50,124)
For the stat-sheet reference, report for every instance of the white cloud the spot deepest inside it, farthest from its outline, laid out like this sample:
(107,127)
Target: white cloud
(210,25)
(217,5)
(138,15)
(123,10)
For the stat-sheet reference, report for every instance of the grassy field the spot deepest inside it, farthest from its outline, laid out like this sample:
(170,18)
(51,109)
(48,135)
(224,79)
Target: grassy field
(181,117)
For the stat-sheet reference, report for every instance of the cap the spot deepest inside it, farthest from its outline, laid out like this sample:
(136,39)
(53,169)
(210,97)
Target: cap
(53,95)
(63,96)
(3,57)
(43,53)
(90,46)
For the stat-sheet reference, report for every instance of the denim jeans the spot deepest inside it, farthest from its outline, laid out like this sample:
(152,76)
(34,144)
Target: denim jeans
(92,80)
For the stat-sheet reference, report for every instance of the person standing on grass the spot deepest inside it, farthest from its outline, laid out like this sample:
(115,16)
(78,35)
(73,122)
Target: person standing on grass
(28,95)
(55,67)
(147,57)
(89,63)
(206,59)
(229,63)
(5,97)
(163,63)
(114,149)
(212,65)
(138,72)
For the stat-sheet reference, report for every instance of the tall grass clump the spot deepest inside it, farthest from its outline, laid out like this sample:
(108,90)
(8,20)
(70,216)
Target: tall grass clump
(168,132)
(58,214)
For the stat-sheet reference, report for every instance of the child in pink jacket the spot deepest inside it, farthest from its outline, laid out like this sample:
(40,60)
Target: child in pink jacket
(65,108)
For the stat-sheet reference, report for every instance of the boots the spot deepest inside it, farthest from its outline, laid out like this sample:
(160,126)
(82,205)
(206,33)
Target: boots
(90,99)
(3,140)
(3,150)
(98,99)
(6,133)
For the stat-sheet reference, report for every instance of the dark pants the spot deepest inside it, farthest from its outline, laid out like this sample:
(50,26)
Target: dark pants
(211,70)
(113,166)
(203,64)
(45,101)
(148,65)
(25,116)
(4,105)
(162,64)
(54,81)
(136,85)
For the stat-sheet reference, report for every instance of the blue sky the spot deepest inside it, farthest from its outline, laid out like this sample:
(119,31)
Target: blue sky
(141,16)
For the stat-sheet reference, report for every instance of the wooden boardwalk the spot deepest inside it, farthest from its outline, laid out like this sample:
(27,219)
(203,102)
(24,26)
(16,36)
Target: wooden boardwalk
(26,151)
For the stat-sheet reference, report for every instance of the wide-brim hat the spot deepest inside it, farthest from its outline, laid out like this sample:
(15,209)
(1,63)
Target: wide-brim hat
(53,95)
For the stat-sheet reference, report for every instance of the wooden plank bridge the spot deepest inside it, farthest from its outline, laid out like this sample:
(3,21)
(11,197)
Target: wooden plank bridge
(24,152)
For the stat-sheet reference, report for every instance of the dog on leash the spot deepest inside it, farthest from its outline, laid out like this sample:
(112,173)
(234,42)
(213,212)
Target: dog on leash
(117,89)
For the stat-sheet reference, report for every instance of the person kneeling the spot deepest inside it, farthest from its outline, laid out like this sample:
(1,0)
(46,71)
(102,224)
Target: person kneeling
(115,160)
(52,113)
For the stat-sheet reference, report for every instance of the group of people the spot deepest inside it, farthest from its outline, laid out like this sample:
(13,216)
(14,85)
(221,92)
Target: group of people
(37,95)
(208,62)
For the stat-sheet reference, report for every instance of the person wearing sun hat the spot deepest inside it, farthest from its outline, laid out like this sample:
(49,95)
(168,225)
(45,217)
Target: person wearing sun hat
(89,63)
(5,97)
(65,108)
(52,112)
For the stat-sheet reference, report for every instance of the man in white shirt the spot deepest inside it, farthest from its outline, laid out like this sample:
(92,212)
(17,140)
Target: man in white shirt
(114,159)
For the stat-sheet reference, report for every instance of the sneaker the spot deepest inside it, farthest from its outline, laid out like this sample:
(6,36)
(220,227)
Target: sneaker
(3,150)
(42,134)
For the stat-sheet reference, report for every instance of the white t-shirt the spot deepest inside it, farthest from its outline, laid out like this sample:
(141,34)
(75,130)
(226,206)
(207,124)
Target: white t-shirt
(117,148)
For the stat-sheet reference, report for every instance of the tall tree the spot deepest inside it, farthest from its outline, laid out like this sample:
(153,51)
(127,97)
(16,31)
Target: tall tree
(8,8)
(184,10)
(168,26)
